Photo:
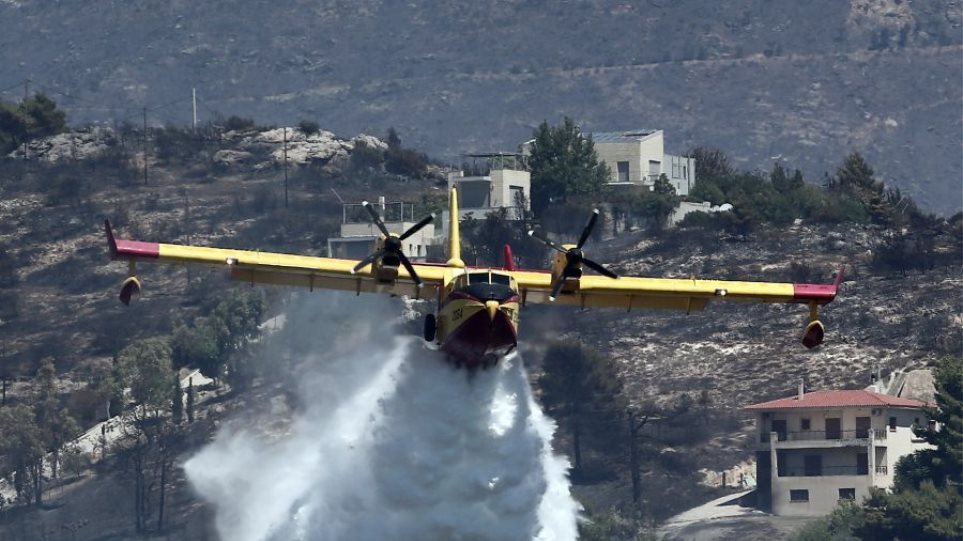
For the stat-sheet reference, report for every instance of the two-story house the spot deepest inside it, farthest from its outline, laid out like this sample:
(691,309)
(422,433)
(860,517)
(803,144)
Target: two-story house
(638,157)
(359,236)
(493,182)
(820,447)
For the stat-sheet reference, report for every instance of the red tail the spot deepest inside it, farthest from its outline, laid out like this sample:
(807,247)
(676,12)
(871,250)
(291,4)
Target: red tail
(509,260)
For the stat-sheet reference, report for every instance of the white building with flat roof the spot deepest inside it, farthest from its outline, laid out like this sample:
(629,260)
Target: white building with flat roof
(818,448)
(637,157)
(502,182)
(358,235)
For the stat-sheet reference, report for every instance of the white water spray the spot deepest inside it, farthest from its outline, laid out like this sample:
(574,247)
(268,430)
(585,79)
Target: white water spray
(392,444)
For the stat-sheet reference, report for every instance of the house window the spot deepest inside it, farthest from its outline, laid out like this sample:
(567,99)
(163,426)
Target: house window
(800,495)
(623,168)
(847,494)
(892,424)
(931,425)
(655,168)
(779,426)
(685,172)
(804,424)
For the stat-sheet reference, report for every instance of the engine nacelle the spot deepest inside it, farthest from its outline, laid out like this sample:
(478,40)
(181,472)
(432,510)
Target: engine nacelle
(574,273)
(129,290)
(385,268)
(813,335)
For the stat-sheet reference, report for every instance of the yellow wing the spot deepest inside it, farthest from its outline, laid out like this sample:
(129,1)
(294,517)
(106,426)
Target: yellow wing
(281,269)
(668,293)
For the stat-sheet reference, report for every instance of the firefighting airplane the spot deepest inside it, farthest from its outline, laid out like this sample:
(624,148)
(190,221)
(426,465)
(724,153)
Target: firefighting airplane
(477,314)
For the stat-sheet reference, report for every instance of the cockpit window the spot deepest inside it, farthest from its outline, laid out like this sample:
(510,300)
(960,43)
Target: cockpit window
(478,278)
(502,279)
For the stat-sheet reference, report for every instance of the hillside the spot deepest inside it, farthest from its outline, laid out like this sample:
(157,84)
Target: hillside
(65,305)
(801,83)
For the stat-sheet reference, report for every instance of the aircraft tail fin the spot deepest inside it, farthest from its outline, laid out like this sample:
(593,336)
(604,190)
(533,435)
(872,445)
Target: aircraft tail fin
(509,259)
(454,238)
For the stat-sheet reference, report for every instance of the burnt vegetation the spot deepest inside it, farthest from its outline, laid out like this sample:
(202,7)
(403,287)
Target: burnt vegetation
(66,351)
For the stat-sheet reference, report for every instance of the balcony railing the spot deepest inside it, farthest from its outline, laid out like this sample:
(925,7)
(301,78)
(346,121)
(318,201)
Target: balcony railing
(815,435)
(823,471)
(879,433)
(882,470)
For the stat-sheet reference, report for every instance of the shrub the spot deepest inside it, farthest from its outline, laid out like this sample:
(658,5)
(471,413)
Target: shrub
(309,127)
(237,123)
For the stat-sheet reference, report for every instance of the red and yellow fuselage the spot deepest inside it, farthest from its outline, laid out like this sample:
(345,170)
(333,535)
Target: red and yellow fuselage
(477,319)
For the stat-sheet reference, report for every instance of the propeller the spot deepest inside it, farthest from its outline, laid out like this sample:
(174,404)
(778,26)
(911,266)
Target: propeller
(392,244)
(574,257)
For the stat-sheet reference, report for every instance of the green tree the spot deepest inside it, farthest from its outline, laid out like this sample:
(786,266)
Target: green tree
(944,464)
(42,117)
(54,421)
(13,128)
(403,161)
(581,387)
(563,164)
(177,400)
(487,237)
(145,367)
(779,178)
(191,399)
(21,446)
(926,514)
(838,526)
(197,346)
(711,163)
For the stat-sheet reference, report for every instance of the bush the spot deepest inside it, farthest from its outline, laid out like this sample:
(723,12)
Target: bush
(309,127)
(237,123)
(364,157)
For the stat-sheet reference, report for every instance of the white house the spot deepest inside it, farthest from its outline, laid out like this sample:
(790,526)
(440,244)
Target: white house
(821,447)
(503,183)
(637,157)
(358,234)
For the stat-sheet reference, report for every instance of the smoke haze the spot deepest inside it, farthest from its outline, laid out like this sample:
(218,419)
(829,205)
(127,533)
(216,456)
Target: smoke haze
(391,443)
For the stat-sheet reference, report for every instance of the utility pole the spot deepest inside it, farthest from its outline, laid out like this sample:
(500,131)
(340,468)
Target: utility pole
(26,96)
(145,146)
(3,372)
(194,111)
(285,167)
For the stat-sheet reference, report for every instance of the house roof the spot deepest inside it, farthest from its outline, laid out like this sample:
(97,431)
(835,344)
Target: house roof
(837,399)
(628,136)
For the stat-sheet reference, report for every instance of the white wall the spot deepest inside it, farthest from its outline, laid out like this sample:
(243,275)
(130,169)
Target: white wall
(823,494)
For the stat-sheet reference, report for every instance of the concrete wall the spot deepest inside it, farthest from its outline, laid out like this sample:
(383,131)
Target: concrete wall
(823,494)
(680,170)
(415,246)
(612,153)
(503,182)
(638,154)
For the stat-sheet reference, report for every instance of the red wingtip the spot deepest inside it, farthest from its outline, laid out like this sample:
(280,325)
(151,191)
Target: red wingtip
(111,242)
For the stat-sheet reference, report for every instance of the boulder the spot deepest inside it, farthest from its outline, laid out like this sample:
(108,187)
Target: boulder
(73,145)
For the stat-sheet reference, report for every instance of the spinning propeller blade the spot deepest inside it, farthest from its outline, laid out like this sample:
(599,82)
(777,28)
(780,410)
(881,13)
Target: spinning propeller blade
(375,218)
(417,227)
(574,257)
(392,243)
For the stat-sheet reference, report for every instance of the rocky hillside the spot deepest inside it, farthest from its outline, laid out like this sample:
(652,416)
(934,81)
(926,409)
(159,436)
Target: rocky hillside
(64,305)
(802,83)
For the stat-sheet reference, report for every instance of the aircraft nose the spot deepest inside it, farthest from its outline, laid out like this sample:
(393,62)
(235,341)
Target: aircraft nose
(492,307)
